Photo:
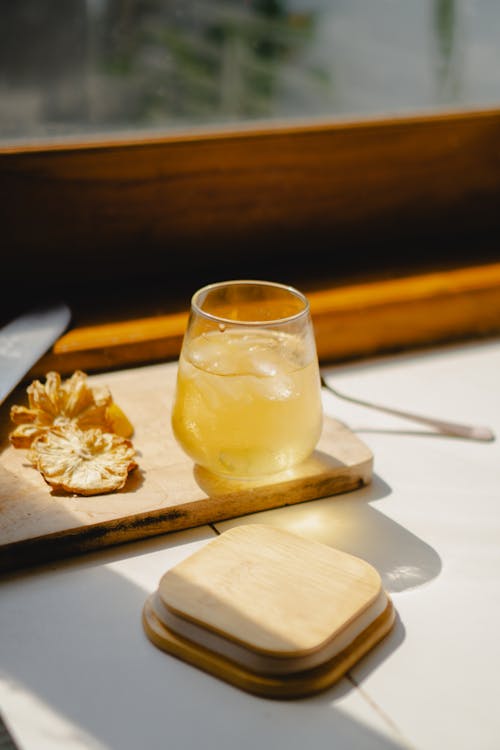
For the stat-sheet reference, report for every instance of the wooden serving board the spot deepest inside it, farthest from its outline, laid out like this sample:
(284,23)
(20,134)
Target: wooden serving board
(166,493)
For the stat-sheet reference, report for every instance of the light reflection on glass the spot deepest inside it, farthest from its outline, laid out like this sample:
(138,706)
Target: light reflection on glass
(157,65)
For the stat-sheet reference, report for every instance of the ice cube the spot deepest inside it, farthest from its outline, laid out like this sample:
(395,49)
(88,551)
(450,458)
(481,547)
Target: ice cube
(262,364)
(280,387)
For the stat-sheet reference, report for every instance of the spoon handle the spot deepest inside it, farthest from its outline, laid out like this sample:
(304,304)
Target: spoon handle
(472,432)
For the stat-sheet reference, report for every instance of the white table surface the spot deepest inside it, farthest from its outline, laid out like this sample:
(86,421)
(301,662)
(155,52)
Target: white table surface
(76,670)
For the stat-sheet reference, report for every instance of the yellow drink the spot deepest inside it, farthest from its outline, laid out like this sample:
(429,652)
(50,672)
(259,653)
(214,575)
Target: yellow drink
(248,401)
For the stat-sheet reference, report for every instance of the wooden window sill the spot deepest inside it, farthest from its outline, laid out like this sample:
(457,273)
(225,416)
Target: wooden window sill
(350,321)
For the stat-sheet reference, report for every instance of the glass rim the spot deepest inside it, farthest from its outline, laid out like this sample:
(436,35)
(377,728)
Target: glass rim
(250,282)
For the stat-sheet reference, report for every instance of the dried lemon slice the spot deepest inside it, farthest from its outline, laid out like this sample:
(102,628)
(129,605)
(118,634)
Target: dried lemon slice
(56,404)
(85,462)
(118,421)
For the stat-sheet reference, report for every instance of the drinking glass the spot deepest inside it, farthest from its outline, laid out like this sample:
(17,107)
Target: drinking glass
(247,400)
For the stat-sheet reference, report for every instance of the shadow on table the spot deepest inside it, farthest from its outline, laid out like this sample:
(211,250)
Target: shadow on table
(369,662)
(104,683)
(350,523)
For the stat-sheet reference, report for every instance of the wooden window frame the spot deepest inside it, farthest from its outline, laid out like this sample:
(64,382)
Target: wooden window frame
(287,196)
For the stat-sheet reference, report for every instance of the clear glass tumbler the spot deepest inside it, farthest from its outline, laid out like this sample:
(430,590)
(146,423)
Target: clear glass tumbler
(247,400)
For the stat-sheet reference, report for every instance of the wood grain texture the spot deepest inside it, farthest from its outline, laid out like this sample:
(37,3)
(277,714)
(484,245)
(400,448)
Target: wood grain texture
(303,192)
(165,493)
(271,591)
(349,321)
(296,685)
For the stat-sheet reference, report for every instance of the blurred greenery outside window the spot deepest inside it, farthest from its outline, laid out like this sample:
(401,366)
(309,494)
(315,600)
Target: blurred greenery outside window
(81,69)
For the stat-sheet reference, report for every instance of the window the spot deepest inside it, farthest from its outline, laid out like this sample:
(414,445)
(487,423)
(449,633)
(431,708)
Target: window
(81,69)
(148,147)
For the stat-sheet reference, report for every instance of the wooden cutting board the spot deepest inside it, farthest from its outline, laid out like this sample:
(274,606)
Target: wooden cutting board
(165,493)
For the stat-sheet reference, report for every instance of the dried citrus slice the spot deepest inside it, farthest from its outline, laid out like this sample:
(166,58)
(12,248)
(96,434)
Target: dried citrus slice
(118,422)
(57,403)
(85,462)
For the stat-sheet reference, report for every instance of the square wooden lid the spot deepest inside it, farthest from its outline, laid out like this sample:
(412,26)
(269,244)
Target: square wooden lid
(272,592)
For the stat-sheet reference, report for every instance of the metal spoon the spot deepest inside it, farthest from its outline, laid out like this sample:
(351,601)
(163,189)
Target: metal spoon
(447,428)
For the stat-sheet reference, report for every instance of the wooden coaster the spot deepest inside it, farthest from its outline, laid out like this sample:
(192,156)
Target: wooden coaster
(270,612)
